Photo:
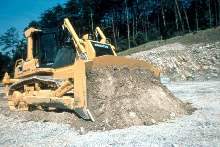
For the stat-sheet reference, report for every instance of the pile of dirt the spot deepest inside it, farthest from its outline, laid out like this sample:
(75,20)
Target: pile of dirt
(117,98)
(120,98)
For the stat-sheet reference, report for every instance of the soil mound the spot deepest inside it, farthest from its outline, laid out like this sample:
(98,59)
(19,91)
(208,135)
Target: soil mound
(120,98)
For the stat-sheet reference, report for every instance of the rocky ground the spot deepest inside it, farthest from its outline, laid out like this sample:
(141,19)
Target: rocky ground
(202,128)
(181,62)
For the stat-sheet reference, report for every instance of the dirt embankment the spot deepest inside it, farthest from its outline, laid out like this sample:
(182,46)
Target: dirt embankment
(180,62)
(118,98)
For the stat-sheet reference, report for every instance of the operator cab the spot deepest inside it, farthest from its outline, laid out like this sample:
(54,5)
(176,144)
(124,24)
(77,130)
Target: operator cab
(52,49)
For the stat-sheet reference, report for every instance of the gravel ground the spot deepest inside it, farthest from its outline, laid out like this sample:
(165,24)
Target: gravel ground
(202,128)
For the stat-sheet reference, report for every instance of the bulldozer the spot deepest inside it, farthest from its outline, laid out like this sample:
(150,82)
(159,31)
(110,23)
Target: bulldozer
(33,86)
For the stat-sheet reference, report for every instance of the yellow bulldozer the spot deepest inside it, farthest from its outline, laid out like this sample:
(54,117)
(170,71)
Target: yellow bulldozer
(65,87)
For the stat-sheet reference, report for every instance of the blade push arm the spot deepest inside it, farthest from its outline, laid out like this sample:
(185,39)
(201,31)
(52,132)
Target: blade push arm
(98,31)
(79,47)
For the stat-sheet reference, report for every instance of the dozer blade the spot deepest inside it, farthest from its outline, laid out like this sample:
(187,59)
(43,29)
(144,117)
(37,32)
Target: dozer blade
(96,68)
(84,113)
(122,62)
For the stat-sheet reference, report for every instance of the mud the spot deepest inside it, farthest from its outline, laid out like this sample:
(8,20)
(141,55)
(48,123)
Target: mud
(117,98)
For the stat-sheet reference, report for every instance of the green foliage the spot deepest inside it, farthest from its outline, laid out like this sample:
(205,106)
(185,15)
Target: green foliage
(148,20)
(5,65)
(13,48)
(20,50)
(9,40)
(34,24)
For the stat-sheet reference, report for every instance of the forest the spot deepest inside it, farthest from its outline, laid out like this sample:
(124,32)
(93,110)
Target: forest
(128,23)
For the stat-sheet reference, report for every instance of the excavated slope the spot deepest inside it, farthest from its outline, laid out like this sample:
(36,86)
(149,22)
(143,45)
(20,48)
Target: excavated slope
(180,62)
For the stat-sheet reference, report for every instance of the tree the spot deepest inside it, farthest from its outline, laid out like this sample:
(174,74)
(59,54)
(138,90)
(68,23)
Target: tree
(179,13)
(9,41)
(5,65)
(185,5)
(210,13)
(20,52)
(34,24)
(128,26)
(136,21)
(12,47)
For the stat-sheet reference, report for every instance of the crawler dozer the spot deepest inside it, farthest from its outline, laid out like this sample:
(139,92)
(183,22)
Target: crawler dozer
(65,87)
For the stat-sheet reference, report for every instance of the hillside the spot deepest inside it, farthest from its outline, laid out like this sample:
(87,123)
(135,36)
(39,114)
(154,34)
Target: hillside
(189,57)
(203,36)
